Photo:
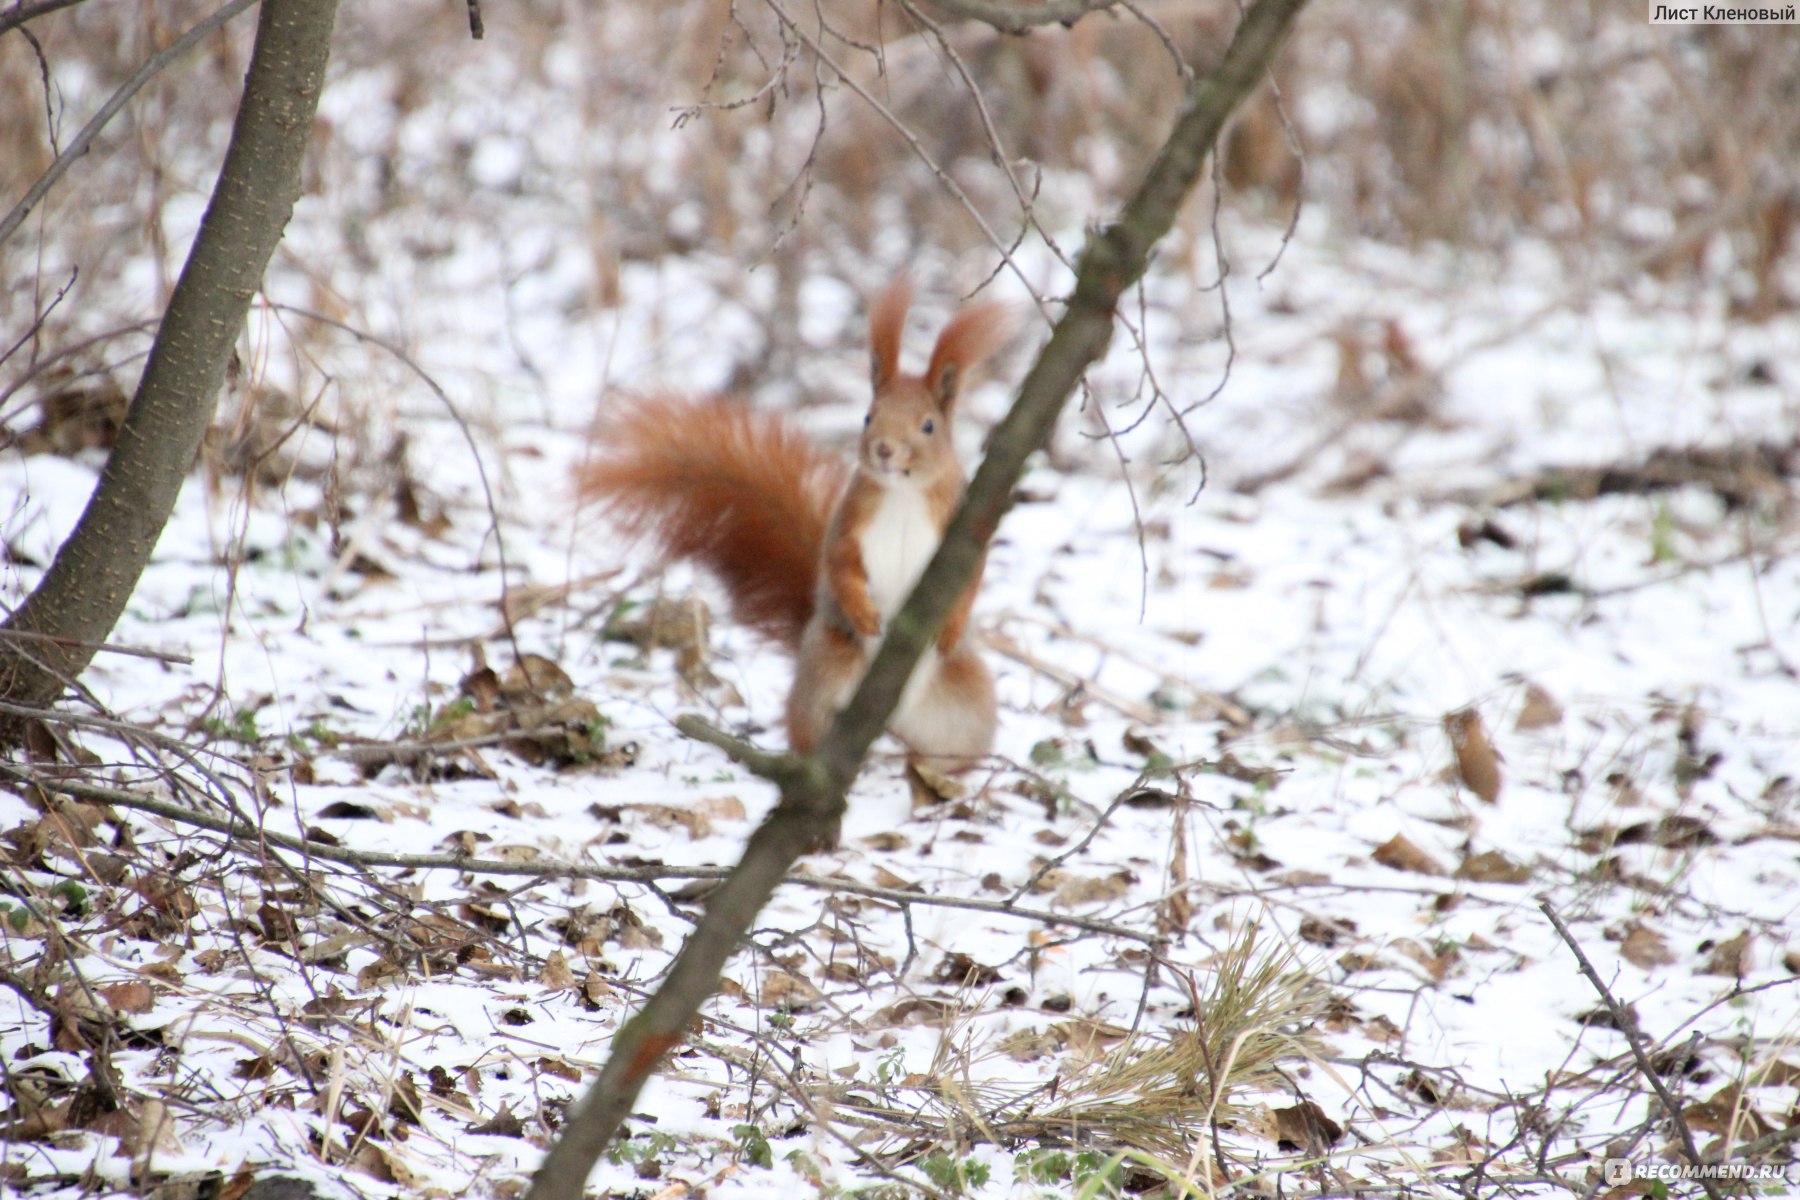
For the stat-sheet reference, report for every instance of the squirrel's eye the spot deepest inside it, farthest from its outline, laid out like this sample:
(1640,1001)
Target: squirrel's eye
(865,420)
(929,425)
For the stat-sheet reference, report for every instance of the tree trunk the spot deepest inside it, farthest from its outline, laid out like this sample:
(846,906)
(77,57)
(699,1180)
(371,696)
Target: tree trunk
(79,600)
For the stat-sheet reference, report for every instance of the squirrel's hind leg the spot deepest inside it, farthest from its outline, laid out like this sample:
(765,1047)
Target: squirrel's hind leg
(948,722)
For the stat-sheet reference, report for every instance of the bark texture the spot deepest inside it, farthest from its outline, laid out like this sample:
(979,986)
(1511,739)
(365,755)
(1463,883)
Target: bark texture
(813,787)
(79,600)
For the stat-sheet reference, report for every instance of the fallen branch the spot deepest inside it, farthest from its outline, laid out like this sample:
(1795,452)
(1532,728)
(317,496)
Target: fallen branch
(242,831)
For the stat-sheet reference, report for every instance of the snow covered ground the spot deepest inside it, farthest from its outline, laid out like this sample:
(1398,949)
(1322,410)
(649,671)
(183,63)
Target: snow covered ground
(1450,499)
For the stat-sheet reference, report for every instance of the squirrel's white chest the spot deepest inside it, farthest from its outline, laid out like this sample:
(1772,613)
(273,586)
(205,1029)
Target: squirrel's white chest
(896,544)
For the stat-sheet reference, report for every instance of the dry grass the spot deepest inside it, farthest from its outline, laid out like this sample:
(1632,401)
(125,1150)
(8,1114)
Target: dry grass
(1161,1092)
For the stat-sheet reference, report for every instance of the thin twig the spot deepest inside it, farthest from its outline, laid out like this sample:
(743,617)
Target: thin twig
(487,489)
(243,830)
(1627,1024)
(1020,18)
(99,647)
(153,66)
(19,14)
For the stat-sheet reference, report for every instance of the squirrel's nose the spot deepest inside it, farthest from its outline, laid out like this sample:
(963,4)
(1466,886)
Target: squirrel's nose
(884,451)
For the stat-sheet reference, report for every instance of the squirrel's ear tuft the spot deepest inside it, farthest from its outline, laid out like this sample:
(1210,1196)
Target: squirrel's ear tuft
(887,321)
(971,336)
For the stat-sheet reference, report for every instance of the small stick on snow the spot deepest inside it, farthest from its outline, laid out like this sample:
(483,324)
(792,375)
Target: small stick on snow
(1627,1024)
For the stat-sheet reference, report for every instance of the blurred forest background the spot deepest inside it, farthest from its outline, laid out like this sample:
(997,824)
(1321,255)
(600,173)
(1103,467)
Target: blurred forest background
(580,142)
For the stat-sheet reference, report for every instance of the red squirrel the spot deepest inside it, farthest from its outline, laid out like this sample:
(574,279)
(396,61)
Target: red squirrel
(815,555)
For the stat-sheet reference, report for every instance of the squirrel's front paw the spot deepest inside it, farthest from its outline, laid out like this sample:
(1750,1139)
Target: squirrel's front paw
(864,618)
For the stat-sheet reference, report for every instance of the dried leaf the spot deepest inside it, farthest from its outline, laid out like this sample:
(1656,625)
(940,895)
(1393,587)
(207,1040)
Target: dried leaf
(503,1124)
(1030,1045)
(931,787)
(1436,965)
(782,989)
(260,1067)
(556,974)
(1673,832)
(724,808)
(1090,1038)
(1540,710)
(537,679)
(595,988)
(899,883)
(561,1069)
(1305,1127)
(1642,946)
(132,997)
(679,625)
(1399,854)
(347,810)
(404,1104)
(959,970)
(1099,890)
(1727,1111)
(1476,763)
(1492,866)
(1730,957)
(677,816)
(1602,1017)
(915,1010)
(1326,931)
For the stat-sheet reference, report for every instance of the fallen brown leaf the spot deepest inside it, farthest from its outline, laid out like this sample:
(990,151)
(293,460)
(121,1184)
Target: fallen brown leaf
(1492,866)
(556,974)
(1540,710)
(504,1123)
(1476,763)
(1399,854)
(1643,947)
(132,997)
(1305,1127)
(1097,890)
(1730,957)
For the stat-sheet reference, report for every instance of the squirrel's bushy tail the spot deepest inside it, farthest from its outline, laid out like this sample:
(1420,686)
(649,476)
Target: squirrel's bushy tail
(736,491)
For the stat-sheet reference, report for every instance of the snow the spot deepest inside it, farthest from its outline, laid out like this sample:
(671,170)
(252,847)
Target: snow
(1346,619)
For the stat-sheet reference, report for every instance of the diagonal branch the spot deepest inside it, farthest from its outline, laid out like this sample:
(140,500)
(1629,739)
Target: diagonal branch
(1634,1037)
(21,14)
(813,787)
(152,67)
(1011,16)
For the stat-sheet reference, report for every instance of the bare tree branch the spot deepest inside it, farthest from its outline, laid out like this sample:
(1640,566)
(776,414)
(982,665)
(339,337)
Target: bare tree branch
(21,14)
(75,149)
(814,787)
(245,832)
(1012,16)
(1634,1037)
